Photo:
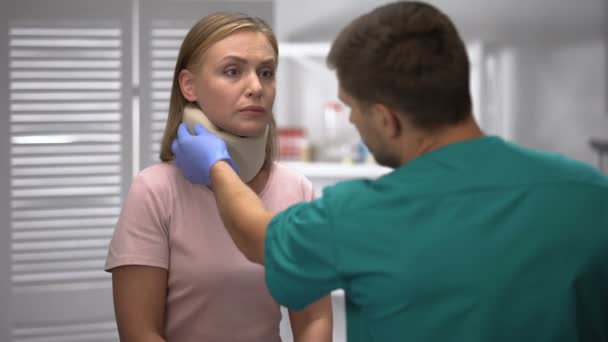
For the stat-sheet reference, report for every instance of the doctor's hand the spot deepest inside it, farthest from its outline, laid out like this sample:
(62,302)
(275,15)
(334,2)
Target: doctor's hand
(196,154)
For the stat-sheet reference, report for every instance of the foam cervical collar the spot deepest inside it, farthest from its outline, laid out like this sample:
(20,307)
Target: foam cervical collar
(248,153)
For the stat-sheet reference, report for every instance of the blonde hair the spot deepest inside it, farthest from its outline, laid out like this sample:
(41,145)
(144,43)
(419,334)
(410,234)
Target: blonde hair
(206,32)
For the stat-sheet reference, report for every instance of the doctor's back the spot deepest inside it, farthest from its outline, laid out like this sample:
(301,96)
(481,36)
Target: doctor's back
(477,241)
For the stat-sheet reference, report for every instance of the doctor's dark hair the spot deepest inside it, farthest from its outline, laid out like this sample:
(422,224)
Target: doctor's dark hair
(407,55)
(206,32)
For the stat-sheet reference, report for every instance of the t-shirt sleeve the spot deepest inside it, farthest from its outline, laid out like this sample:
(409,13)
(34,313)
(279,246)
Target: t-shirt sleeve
(141,235)
(308,192)
(300,258)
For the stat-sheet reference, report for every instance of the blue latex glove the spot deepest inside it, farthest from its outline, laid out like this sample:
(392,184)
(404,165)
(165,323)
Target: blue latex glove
(196,154)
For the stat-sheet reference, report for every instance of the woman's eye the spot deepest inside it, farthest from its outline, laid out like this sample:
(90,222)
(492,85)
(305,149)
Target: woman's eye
(267,73)
(231,72)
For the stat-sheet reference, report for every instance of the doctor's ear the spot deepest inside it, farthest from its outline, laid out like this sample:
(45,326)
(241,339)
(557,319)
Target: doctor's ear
(186,85)
(388,119)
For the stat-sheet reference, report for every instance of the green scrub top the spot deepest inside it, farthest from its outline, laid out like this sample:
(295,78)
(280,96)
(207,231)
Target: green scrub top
(477,241)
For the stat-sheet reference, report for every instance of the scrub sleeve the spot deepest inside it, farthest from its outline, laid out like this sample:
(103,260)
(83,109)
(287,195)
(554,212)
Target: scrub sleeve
(301,260)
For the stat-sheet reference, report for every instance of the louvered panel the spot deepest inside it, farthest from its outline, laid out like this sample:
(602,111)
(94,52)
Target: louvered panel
(85,117)
(32,203)
(42,128)
(65,85)
(66,142)
(47,181)
(163,49)
(25,150)
(90,221)
(19,75)
(160,105)
(63,107)
(50,233)
(65,159)
(59,255)
(89,332)
(59,96)
(37,269)
(66,170)
(64,64)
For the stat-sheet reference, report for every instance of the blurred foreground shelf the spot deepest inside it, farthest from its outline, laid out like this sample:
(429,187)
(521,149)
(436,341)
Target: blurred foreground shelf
(337,171)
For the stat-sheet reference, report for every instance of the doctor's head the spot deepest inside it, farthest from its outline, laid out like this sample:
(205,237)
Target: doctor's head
(404,58)
(226,66)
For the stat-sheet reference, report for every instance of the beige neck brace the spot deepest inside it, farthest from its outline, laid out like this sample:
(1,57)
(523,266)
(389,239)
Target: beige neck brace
(248,153)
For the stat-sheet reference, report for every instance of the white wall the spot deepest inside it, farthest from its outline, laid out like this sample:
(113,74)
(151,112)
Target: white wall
(557,97)
(487,20)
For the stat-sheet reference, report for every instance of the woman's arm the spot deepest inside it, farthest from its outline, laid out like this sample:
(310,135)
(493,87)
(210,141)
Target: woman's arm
(314,323)
(139,302)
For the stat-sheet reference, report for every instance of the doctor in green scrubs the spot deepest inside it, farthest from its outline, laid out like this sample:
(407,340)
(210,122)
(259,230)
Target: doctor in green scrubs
(470,238)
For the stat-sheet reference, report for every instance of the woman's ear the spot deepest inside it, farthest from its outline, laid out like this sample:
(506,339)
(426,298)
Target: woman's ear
(186,85)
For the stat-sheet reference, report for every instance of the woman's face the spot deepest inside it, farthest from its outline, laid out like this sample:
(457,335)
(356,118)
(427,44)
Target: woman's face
(235,83)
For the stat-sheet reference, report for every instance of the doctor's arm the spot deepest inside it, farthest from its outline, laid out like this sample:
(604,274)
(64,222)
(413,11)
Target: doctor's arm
(242,211)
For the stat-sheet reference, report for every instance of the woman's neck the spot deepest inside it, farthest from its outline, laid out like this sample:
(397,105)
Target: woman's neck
(258,183)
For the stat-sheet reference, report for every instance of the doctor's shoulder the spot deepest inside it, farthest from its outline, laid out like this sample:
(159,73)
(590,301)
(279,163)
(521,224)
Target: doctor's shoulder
(349,194)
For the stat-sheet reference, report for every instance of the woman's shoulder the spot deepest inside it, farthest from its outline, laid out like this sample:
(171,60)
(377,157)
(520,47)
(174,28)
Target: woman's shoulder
(284,173)
(162,169)
(285,182)
(160,176)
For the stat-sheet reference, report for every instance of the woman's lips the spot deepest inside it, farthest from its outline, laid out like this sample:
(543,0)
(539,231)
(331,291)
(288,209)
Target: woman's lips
(253,110)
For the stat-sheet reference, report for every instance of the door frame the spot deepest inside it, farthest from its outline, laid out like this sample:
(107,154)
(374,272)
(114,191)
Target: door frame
(5,179)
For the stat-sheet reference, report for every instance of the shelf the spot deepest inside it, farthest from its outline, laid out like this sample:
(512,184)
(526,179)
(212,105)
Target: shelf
(337,170)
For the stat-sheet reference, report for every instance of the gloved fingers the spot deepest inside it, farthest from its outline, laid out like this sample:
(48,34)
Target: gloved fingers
(233,164)
(182,131)
(199,129)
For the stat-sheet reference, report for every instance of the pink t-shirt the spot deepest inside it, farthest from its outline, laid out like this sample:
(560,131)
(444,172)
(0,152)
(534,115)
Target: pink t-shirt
(213,293)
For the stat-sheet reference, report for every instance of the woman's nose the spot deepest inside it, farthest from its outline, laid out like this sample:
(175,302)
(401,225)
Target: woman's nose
(254,86)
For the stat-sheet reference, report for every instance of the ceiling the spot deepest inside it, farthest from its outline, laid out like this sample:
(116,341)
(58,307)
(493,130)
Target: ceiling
(487,20)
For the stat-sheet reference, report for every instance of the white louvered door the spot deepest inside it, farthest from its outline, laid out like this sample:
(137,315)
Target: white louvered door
(162,49)
(69,96)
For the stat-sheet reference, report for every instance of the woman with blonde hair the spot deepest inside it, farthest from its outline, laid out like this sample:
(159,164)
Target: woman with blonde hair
(177,275)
